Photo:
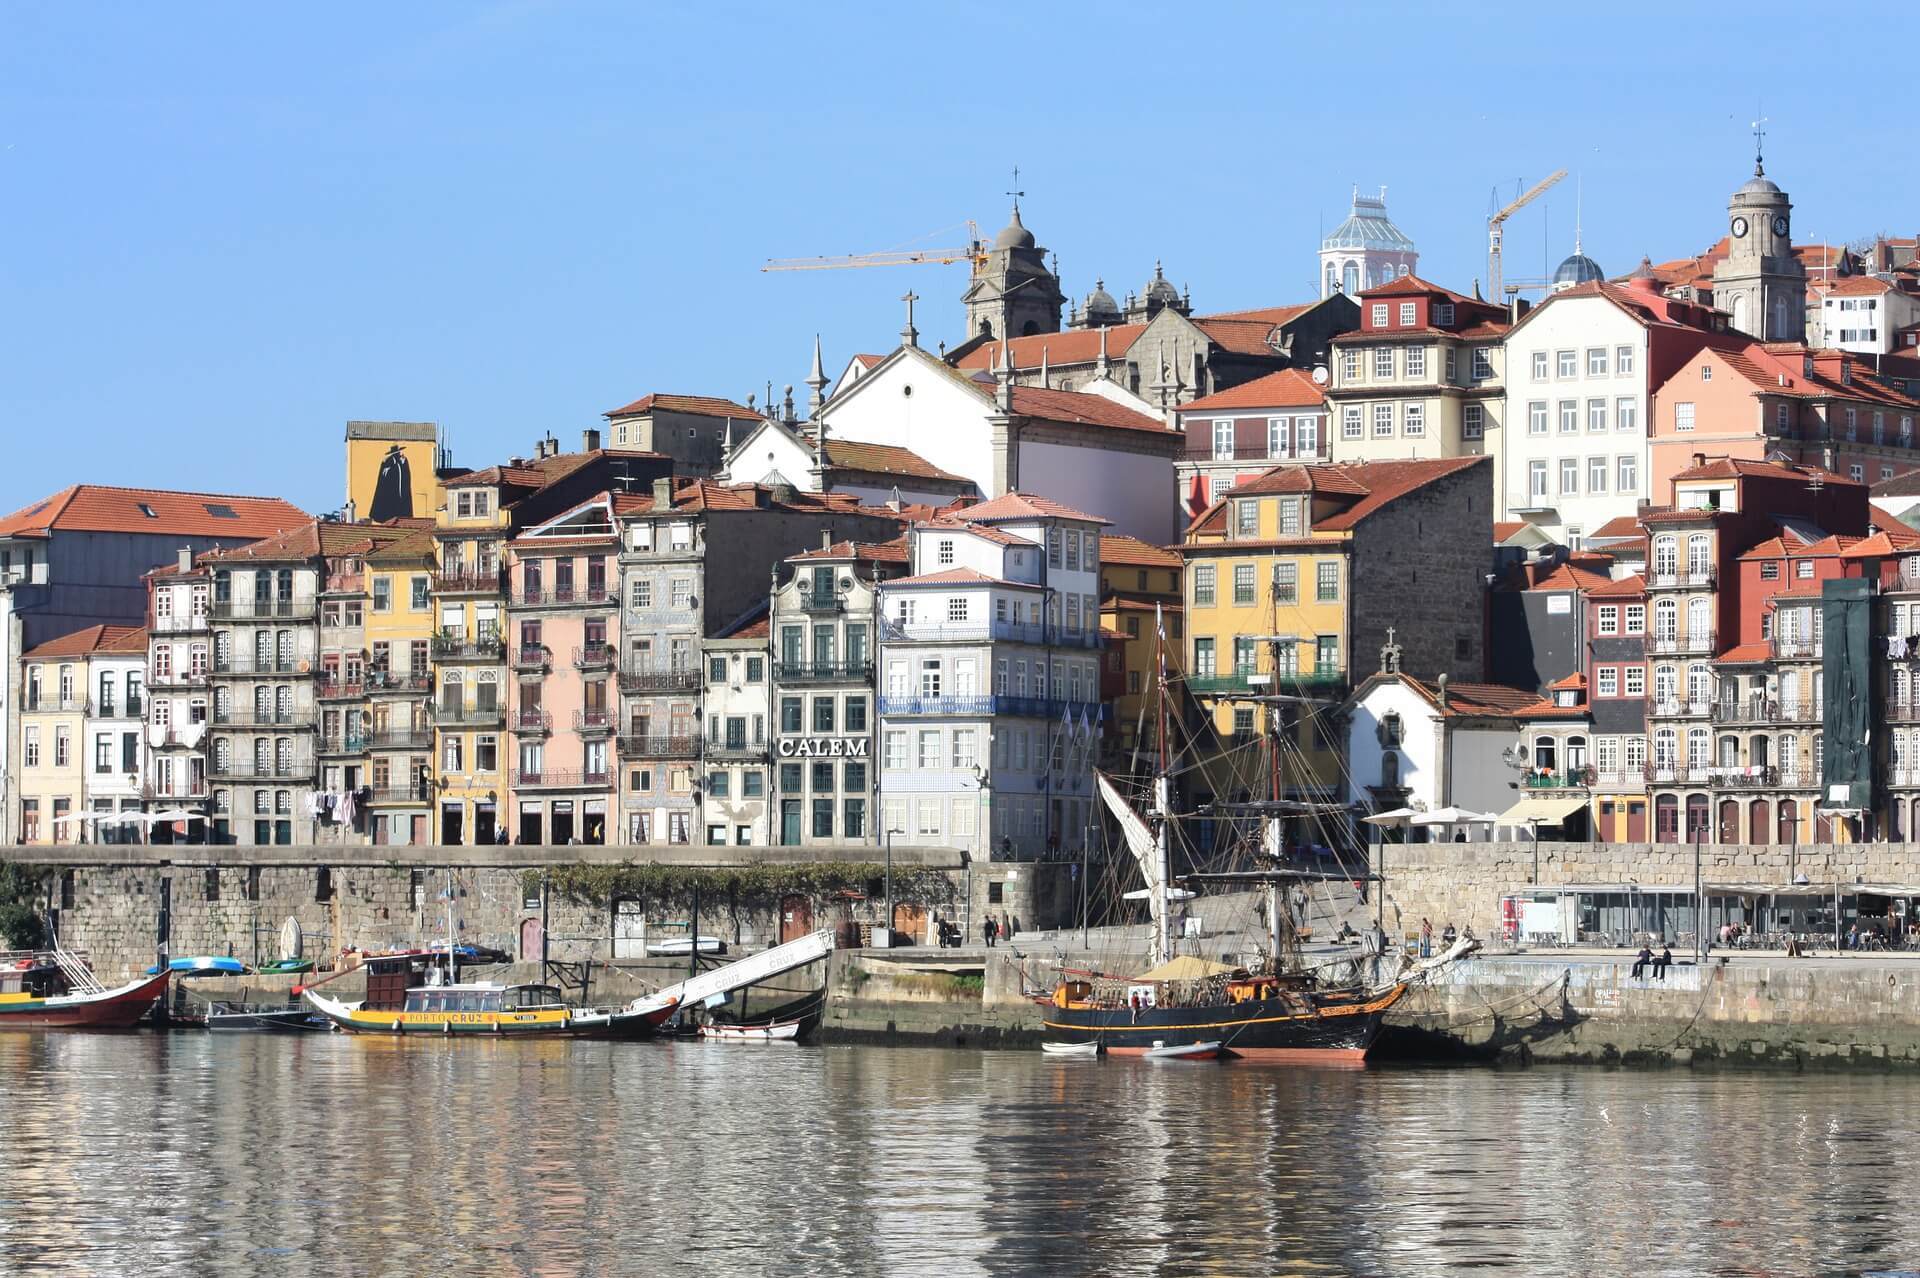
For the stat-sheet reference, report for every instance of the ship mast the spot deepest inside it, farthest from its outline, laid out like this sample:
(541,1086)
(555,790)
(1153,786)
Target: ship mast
(1162,805)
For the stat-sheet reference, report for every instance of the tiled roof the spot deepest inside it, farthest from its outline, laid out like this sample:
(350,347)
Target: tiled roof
(1024,506)
(1739,467)
(93,639)
(696,405)
(98,508)
(1375,483)
(1879,517)
(1288,388)
(1634,585)
(884,459)
(1117,548)
(1855,286)
(1742,654)
(868,361)
(1083,410)
(1619,528)
(986,532)
(711,494)
(1413,285)
(318,537)
(1263,314)
(1575,681)
(883,552)
(948,576)
(1486,698)
(411,548)
(1076,346)
(755,624)
(1906,485)
(1566,577)
(1885,544)
(1505,528)
(1778,548)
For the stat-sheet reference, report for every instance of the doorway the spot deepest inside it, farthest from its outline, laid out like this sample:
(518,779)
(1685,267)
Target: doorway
(562,825)
(1729,820)
(796,918)
(1636,821)
(1699,824)
(531,939)
(451,825)
(1666,819)
(1759,826)
(789,823)
(484,829)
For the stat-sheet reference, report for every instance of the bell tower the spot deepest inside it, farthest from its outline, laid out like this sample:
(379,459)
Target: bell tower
(1760,283)
(1013,293)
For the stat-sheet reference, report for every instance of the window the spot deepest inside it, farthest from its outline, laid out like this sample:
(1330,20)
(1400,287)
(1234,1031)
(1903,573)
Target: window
(1536,480)
(1306,437)
(957,608)
(1379,314)
(1407,312)
(1482,363)
(421,597)
(927,755)
(1539,366)
(1414,422)
(1537,417)
(1597,361)
(1857,473)
(1473,421)
(1596,475)
(1383,363)
(1609,619)
(383,594)
(1636,618)
(1242,584)
(1203,575)
(1351,426)
(1633,681)
(1285,583)
(790,714)
(1804,569)
(1569,417)
(639,593)
(1569,475)
(1770,570)
(1417,362)
(1596,415)
(1289,517)
(1453,364)
(682,593)
(1242,721)
(1443,314)
(1383,421)
(823,714)
(944,551)
(1606,681)
(1349,365)
(1622,360)
(1327,581)
(32,736)
(1626,475)
(1246,518)
(1568,363)
(1626,413)
(1683,417)
(1203,658)
(1222,451)
(927,817)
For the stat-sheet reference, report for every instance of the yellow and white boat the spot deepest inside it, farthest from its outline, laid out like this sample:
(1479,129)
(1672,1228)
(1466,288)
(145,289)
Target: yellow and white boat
(486,1009)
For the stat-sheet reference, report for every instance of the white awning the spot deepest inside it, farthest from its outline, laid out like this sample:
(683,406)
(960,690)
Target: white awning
(1540,810)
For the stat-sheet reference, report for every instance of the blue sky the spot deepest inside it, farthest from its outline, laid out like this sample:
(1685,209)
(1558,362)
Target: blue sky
(229,229)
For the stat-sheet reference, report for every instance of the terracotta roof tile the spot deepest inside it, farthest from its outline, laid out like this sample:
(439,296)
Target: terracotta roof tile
(882,552)
(1024,506)
(985,532)
(1905,485)
(1288,388)
(1076,346)
(952,576)
(696,405)
(1117,548)
(91,640)
(1741,654)
(884,459)
(1505,528)
(1634,585)
(1619,528)
(1084,410)
(316,538)
(98,508)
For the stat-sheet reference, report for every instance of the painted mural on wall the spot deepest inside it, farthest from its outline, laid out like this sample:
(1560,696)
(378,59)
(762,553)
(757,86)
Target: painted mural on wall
(392,479)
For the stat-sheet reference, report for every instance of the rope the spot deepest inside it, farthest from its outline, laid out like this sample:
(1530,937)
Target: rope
(1493,1009)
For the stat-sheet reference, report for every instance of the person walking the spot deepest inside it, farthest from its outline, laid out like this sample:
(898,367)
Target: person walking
(1426,938)
(987,930)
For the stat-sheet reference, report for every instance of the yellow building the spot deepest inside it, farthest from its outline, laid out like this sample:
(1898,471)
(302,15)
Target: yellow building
(53,709)
(1136,580)
(400,628)
(1296,575)
(393,471)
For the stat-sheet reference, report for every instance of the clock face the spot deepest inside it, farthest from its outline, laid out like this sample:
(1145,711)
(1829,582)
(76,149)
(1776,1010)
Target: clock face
(1779,224)
(1739,228)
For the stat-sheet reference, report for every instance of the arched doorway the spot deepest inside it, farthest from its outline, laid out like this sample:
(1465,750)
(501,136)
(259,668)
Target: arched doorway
(1759,824)
(1729,820)
(1897,821)
(1789,821)
(1666,819)
(1699,823)
(1822,827)
(530,941)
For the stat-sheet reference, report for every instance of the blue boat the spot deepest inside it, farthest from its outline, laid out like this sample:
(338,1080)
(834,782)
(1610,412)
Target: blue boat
(204,966)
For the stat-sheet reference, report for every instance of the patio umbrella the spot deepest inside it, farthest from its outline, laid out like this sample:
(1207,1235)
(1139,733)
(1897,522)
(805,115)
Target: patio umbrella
(1451,816)
(1397,816)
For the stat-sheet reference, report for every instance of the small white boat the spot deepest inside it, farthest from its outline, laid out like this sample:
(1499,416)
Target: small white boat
(1184,1052)
(682,946)
(1089,1048)
(781,1032)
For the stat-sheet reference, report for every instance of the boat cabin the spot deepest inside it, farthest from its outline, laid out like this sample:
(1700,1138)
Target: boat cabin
(32,976)
(483,998)
(391,978)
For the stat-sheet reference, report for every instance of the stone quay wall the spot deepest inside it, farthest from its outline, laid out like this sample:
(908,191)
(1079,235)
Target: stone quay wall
(226,900)
(1462,883)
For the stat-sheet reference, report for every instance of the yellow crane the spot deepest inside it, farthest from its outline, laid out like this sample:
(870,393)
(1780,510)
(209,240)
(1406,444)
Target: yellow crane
(975,252)
(1497,223)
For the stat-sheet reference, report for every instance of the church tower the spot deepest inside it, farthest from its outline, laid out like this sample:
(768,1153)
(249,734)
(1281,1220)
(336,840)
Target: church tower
(1013,293)
(1365,251)
(1760,283)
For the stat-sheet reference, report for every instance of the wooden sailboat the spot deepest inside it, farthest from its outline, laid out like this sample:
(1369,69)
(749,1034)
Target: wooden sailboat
(54,989)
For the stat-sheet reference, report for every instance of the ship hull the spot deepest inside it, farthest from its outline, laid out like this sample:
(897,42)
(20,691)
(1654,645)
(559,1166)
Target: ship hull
(1272,1030)
(121,1008)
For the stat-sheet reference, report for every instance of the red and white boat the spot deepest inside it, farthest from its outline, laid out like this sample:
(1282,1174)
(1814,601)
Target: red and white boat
(56,990)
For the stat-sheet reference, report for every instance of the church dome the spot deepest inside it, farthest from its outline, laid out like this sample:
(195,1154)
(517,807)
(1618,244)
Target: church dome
(1758,184)
(1100,304)
(1577,269)
(1158,289)
(1013,234)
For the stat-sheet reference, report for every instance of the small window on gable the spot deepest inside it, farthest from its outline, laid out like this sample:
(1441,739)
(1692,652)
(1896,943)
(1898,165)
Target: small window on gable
(1770,570)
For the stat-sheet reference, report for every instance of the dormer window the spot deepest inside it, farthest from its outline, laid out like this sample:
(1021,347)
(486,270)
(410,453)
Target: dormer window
(1379,315)
(1566,697)
(1443,314)
(1806,366)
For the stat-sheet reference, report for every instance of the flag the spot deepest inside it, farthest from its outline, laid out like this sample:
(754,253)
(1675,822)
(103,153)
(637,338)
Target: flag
(1086,723)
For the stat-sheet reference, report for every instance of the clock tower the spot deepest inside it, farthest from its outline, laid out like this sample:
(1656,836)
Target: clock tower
(1760,283)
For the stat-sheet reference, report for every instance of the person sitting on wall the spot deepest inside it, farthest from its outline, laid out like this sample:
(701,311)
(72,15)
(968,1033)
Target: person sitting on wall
(1661,964)
(1640,963)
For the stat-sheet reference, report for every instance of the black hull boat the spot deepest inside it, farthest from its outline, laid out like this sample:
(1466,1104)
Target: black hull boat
(1285,1029)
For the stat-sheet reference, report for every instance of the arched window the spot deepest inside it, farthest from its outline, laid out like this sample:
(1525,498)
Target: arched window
(1699,555)
(1666,553)
(1546,753)
(1699,685)
(1663,687)
(1740,313)
(1665,746)
(1666,620)
(1333,279)
(1576,754)
(1789,752)
(1729,752)
(1350,279)
(1698,750)
(1758,749)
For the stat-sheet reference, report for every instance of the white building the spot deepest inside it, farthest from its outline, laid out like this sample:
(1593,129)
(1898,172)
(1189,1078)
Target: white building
(990,669)
(1580,369)
(1864,314)
(776,453)
(1366,250)
(1075,448)
(179,678)
(113,745)
(738,712)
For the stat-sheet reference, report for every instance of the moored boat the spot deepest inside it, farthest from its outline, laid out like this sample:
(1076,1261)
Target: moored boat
(55,990)
(1184,1052)
(779,1032)
(1089,1048)
(486,1009)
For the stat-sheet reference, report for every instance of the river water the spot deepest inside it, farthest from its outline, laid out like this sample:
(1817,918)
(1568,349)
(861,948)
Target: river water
(203,1154)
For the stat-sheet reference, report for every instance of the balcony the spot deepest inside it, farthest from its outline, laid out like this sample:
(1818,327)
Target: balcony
(634,679)
(387,795)
(1803,712)
(562,596)
(1686,641)
(1903,710)
(530,657)
(1796,779)
(741,751)
(1749,711)
(344,583)
(1900,580)
(1035,632)
(1250,452)
(400,739)
(255,666)
(161,680)
(1795,648)
(54,705)
(174,624)
(264,609)
(821,601)
(593,723)
(399,683)
(1699,709)
(468,714)
(530,722)
(468,581)
(650,746)
(186,788)
(556,778)
(451,647)
(823,671)
(593,656)
(1684,579)
(1759,777)
(262,719)
(1576,779)
(1903,776)
(335,689)
(135,708)
(344,743)
(1527,500)
(298,769)
(1634,779)
(1242,683)
(1014,707)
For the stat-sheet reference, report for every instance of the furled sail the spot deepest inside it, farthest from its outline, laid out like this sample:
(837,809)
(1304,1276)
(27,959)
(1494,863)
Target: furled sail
(1139,838)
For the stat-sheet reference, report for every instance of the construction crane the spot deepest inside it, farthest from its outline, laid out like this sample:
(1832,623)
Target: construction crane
(975,252)
(1497,223)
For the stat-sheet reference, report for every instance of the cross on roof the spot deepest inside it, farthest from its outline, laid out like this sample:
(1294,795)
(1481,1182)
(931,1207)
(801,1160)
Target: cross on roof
(1016,192)
(1759,138)
(1390,654)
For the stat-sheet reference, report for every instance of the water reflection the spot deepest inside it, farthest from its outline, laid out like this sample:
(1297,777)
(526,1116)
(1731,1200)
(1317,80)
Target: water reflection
(204,1155)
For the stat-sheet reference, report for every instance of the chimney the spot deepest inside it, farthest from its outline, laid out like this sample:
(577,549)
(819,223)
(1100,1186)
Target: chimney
(1699,459)
(590,440)
(553,445)
(826,539)
(1440,690)
(663,493)
(1517,309)
(186,559)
